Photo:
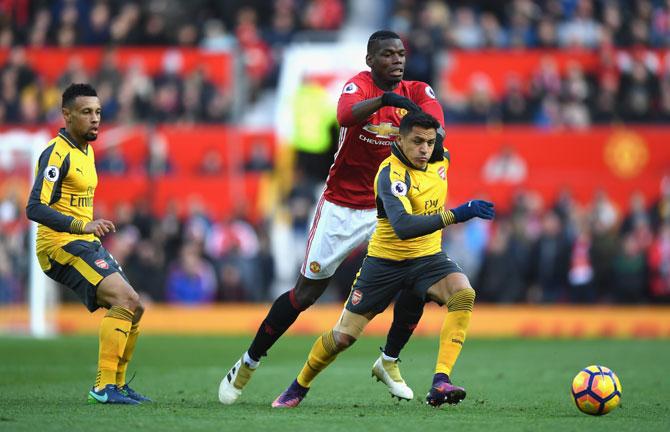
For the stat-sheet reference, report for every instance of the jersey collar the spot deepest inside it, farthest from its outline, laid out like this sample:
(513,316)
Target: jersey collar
(68,139)
(400,155)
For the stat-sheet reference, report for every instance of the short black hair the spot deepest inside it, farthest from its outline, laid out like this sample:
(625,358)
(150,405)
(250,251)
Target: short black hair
(378,36)
(76,90)
(417,118)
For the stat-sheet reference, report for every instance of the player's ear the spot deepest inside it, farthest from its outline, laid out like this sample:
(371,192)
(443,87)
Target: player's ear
(368,60)
(66,114)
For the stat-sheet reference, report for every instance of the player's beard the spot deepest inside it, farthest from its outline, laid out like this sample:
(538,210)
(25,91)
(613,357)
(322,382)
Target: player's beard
(90,136)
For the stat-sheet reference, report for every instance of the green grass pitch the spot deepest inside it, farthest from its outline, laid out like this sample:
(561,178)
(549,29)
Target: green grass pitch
(513,385)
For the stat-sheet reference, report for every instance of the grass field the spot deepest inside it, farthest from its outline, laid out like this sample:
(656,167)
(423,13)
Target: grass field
(513,385)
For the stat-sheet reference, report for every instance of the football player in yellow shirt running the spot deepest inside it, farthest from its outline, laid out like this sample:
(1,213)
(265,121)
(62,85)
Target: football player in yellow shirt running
(405,253)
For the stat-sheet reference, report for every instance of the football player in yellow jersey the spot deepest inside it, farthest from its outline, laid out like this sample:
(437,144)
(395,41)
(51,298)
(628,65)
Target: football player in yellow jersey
(68,246)
(405,253)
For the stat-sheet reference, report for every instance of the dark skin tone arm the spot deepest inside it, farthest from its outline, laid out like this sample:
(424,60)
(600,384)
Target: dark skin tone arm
(366,108)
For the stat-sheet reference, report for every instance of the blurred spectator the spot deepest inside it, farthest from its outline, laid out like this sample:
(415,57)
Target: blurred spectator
(500,279)
(482,107)
(629,278)
(191,280)
(145,268)
(158,162)
(256,54)
(10,284)
(96,31)
(466,32)
(515,105)
(581,30)
(259,159)
(581,274)
(323,14)
(660,210)
(604,242)
(232,286)
(550,261)
(638,92)
(216,38)
(112,162)
(659,265)
(637,213)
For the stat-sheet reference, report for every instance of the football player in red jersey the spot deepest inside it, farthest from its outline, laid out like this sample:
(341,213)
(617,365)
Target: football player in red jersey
(369,111)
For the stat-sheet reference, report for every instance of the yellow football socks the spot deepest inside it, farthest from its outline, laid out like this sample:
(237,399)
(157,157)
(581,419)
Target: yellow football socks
(127,354)
(114,332)
(454,328)
(323,352)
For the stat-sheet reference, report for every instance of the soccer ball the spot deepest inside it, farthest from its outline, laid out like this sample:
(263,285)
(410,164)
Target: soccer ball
(596,390)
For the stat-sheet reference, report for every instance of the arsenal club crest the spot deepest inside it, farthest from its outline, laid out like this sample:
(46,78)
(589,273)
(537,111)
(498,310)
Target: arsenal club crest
(356,297)
(102,264)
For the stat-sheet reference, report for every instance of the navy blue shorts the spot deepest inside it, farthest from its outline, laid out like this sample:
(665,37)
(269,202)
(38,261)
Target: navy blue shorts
(81,266)
(380,280)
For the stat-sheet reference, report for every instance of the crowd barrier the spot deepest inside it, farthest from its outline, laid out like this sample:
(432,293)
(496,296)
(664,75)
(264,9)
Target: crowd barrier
(491,321)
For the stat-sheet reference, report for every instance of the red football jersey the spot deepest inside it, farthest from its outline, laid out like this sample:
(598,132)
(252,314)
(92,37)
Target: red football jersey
(363,146)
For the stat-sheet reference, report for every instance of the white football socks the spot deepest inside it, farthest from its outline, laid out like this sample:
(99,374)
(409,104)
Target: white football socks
(253,364)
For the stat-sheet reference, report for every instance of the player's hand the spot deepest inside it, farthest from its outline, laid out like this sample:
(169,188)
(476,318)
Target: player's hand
(475,208)
(438,150)
(394,99)
(99,227)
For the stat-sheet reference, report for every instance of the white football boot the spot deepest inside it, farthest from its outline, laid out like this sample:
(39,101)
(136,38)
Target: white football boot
(232,384)
(388,372)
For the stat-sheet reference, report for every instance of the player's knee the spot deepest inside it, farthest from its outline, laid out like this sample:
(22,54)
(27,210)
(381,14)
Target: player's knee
(128,299)
(462,299)
(308,292)
(343,340)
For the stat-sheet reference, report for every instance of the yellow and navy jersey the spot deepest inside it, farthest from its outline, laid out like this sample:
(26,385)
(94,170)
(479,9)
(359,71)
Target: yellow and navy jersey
(61,200)
(410,208)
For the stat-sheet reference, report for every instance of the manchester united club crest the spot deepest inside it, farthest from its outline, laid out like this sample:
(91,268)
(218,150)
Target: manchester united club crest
(401,112)
(442,172)
(356,297)
(102,264)
(314,267)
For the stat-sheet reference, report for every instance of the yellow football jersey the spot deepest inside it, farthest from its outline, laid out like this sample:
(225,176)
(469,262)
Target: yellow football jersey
(400,187)
(62,195)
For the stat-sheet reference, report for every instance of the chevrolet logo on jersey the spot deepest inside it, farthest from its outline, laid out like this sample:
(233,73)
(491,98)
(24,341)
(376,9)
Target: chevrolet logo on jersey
(382,130)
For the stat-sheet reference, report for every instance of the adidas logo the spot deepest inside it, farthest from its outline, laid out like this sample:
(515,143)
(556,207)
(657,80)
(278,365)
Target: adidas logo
(229,377)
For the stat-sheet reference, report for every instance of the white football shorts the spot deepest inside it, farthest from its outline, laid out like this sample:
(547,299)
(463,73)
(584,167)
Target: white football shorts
(335,232)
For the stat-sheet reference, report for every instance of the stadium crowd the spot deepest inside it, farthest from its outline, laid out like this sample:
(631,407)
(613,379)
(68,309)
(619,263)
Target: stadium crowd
(537,252)
(630,84)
